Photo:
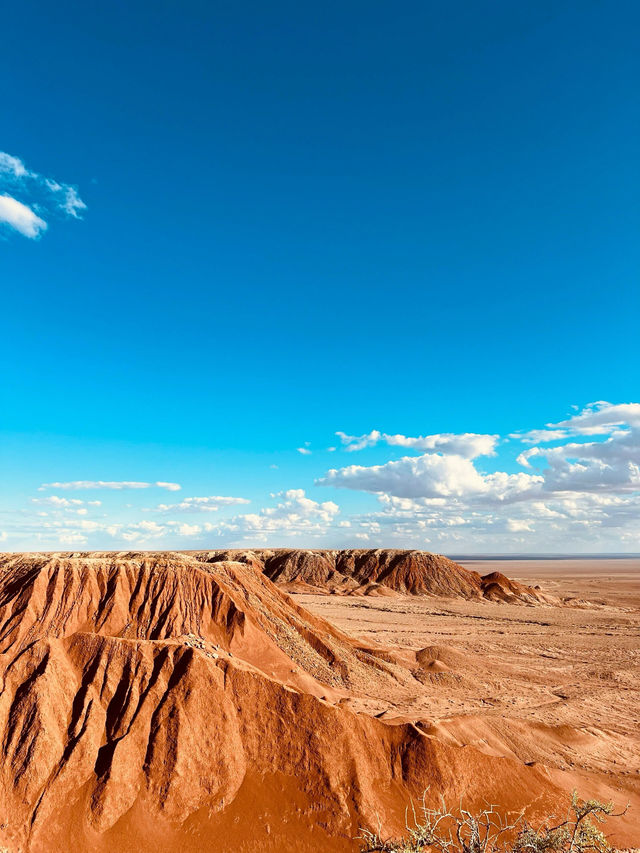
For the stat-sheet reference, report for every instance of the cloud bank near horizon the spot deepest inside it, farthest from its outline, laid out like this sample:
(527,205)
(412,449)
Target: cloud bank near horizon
(570,486)
(579,487)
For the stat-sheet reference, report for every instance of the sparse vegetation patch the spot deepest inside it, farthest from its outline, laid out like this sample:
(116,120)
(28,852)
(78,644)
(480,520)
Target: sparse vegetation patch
(458,830)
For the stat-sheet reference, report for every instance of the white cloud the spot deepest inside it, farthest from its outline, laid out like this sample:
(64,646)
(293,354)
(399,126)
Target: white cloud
(65,505)
(211,503)
(430,476)
(584,492)
(139,532)
(3,535)
(149,527)
(518,526)
(11,165)
(582,495)
(610,465)
(304,450)
(472,526)
(85,524)
(27,194)
(469,445)
(601,418)
(57,502)
(20,217)
(109,484)
(294,515)
(536,436)
(188,529)
(69,201)
(359,442)
(72,538)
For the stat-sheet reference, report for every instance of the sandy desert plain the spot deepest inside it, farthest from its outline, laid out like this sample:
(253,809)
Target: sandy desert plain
(282,700)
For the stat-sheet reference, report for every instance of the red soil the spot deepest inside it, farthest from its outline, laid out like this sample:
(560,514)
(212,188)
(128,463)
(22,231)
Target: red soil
(376,572)
(154,702)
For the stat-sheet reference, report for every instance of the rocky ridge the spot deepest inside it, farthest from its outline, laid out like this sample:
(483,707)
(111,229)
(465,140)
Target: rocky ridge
(156,702)
(377,572)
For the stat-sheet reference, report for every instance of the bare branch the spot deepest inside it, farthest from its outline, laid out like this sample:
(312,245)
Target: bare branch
(442,830)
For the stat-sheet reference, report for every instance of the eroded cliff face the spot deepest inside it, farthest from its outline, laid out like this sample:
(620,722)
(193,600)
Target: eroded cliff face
(157,702)
(380,571)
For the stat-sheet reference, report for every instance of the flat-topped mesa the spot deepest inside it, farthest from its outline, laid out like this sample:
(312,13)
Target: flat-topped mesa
(145,596)
(380,571)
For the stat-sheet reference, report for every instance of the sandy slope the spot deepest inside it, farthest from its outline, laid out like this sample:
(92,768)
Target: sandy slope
(557,685)
(153,702)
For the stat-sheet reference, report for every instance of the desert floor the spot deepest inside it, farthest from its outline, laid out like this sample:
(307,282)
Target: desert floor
(556,685)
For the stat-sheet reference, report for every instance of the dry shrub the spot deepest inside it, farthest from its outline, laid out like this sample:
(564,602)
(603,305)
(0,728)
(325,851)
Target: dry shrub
(444,830)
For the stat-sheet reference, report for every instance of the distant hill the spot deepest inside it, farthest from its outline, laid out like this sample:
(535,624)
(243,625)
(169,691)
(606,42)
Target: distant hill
(379,571)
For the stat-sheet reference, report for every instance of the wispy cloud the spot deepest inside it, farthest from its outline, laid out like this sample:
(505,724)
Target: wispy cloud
(469,444)
(537,436)
(140,531)
(211,503)
(27,197)
(110,484)
(183,529)
(64,503)
(72,538)
(599,418)
(146,531)
(294,515)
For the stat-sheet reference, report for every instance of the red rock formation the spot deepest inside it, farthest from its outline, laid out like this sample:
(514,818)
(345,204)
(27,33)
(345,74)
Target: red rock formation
(377,571)
(154,702)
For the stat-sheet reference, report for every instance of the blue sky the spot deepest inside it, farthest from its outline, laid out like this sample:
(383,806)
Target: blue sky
(229,231)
